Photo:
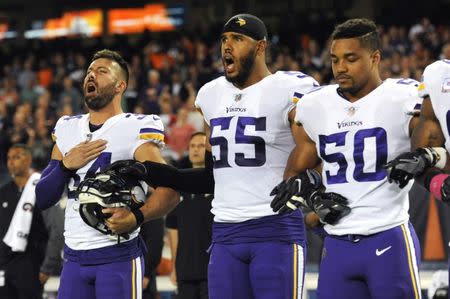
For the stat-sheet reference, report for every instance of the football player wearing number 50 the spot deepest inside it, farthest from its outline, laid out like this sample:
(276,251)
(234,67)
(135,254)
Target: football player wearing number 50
(354,127)
(96,265)
(249,116)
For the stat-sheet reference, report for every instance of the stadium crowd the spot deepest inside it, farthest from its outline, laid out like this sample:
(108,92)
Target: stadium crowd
(43,82)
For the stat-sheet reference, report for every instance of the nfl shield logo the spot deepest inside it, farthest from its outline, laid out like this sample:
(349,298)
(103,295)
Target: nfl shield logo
(237,97)
(351,111)
(446,85)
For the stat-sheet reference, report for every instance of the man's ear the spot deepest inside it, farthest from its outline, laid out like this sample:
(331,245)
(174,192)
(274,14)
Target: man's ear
(121,86)
(261,47)
(376,57)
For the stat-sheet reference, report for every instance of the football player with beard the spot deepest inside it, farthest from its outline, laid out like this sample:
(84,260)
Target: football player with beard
(249,119)
(96,265)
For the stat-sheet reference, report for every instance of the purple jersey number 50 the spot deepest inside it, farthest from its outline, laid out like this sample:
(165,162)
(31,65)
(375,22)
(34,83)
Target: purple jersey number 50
(338,139)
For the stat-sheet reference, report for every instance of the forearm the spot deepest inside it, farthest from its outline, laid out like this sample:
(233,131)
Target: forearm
(161,202)
(192,180)
(51,186)
(301,159)
(428,131)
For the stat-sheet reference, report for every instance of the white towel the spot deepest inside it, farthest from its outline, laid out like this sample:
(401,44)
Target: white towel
(17,235)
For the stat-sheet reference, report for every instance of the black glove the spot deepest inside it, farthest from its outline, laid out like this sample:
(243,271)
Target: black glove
(293,192)
(409,165)
(329,206)
(131,168)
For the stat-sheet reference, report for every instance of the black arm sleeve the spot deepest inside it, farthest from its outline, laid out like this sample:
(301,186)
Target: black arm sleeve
(153,234)
(191,180)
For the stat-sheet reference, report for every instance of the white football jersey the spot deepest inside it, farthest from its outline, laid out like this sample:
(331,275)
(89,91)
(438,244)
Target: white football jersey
(124,133)
(354,141)
(251,140)
(436,84)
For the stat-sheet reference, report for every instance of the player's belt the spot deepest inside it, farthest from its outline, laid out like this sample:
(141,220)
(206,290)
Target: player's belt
(350,237)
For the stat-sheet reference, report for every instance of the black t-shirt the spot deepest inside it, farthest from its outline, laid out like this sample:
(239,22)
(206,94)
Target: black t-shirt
(193,219)
(38,236)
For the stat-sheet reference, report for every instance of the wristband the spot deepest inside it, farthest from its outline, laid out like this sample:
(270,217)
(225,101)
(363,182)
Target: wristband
(139,216)
(436,185)
(441,158)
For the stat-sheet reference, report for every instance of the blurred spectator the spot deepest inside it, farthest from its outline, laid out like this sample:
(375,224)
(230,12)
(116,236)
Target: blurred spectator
(41,145)
(79,70)
(31,241)
(29,93)
(131,95)
(44,74)
(45,109)
(424,26)
(8,93)
(27,76)
(167,116)
(180,132)
(70,96)
(150,93)
(18,133)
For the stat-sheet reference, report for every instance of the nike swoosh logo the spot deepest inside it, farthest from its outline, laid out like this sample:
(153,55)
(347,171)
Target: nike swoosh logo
(380,252)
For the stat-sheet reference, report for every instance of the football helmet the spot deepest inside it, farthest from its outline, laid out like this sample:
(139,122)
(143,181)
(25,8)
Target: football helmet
(108,190)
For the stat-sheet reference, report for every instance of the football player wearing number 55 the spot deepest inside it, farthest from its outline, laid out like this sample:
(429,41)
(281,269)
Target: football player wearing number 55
(249,115)
(355,127)
(96,266)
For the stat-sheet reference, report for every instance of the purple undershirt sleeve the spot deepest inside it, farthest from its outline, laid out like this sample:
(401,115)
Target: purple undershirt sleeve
(51,186)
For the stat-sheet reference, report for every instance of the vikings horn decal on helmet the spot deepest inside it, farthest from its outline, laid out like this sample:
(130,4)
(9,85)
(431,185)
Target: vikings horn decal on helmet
(108,190)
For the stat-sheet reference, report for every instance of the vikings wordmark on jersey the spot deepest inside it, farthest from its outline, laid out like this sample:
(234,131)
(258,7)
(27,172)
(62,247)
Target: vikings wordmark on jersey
(354,141)
(251,140)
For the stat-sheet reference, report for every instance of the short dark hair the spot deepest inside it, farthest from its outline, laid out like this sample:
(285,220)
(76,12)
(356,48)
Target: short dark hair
(22,146)
(197,134)
(364,30)
(114,56)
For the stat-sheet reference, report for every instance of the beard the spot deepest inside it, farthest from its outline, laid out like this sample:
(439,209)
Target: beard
(104,96)
(246,63)
(354,88)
